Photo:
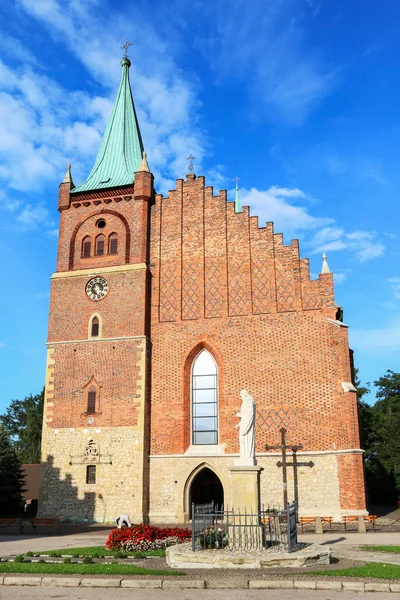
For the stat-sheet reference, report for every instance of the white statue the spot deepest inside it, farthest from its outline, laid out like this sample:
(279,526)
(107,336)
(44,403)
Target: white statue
(246,430)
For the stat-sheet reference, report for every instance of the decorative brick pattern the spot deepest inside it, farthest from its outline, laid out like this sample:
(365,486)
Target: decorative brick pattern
(262,289)
(214,297)
(285,290)
(190,292)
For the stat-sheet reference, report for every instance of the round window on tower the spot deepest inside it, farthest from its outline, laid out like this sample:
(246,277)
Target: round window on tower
(101,224)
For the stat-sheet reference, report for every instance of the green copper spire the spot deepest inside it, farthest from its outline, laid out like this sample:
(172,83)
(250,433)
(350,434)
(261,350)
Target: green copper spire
(121,150)
(238,206)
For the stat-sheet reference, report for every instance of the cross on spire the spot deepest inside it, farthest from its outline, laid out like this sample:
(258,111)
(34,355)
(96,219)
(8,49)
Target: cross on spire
(190,158)
(125,47)
(236,180)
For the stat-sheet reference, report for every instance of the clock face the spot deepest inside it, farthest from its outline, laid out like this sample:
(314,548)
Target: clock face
(97,288)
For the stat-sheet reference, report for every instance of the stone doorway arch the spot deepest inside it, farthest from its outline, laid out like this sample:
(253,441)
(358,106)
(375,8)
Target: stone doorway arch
(206,487)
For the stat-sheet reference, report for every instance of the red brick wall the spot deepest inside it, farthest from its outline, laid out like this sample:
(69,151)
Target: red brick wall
(351,481)
(113,366)
(222,282)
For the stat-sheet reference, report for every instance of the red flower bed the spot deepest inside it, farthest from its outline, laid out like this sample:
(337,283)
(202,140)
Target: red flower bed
(144,533)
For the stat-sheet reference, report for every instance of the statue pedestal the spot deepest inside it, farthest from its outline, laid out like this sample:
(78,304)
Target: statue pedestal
(245,531)
(246,487)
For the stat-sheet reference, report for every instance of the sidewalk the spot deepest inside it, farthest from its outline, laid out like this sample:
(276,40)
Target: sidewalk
(19,544)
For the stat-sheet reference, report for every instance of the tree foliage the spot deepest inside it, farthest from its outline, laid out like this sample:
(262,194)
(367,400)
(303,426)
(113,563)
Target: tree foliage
(23,425)
(380,427)
(11,477)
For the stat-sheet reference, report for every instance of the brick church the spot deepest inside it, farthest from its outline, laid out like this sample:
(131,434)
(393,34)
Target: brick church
(163,308)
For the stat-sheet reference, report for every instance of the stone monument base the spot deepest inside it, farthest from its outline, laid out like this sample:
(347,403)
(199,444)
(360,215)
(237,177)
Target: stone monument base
(181,556)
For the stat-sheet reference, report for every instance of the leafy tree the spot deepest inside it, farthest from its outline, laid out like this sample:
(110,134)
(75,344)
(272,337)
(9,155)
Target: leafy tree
(23,425)
(386,424)
(11,478)
(380,428)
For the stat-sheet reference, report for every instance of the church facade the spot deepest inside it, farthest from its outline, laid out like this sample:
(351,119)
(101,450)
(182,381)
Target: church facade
(162,310)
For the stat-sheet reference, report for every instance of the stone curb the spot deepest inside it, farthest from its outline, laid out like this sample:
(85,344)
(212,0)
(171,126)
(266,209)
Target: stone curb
(260,584)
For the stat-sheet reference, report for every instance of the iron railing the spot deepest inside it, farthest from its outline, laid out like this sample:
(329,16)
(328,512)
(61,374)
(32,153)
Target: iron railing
(241,530)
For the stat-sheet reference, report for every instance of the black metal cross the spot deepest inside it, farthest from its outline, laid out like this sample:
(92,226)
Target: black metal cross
(284,464)
(190,158)
(125,47)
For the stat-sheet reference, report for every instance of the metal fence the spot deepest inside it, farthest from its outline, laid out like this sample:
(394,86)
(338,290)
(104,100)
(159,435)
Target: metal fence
(236,530)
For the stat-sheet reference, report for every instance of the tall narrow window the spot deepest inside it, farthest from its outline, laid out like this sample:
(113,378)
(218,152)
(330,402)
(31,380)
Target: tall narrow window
(91,401)
(95,327)
(113,244)
(204,399)
(91,474)
(100,245)
(86,247)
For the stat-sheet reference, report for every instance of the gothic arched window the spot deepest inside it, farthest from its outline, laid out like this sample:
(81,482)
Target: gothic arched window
(95,327)
(100,245)
(86,246)
(204,394)
(113,244)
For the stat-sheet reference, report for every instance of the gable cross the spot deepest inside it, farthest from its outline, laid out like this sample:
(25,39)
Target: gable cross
(190,158)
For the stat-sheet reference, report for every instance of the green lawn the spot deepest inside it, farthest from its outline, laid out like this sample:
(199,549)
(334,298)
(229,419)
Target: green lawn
(375,570)
(96,550)
(99,569)
(395,549)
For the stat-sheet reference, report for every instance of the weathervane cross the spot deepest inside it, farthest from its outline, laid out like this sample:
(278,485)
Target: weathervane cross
(190,158)
(236,180)
(125,47)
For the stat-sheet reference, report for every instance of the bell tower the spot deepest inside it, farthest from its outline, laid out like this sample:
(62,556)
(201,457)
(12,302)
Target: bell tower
(95,430)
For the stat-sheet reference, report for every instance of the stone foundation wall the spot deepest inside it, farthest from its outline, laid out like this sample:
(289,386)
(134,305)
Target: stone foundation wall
(319,492)
(118,488)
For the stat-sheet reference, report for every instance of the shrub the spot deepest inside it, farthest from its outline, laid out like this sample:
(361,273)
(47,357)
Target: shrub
(145,537)
(67,561)
(87,560)
(19,558)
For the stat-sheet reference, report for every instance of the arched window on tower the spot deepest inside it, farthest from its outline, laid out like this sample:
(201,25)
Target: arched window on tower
(91,400)
(204,394)
(95,329)
(86,247)
(113,244)
(100,245)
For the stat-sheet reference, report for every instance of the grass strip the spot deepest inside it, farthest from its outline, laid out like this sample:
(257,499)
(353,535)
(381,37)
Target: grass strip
(373,570)
(74,569)
(394,549)
(96,550)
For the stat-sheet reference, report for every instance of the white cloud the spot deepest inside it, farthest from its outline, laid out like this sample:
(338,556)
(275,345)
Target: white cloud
(264,49)
(395,286)
(278,205)
(362,243)
(376,339)
(285,207)
(339,278)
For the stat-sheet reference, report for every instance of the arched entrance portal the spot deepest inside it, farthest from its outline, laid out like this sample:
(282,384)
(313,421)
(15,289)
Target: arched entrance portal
(206,487)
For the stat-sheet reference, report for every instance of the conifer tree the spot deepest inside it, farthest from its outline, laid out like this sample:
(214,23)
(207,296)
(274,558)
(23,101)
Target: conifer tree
(11,477)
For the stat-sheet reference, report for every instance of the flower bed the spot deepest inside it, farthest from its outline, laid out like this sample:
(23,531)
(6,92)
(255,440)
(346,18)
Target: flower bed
(146,537)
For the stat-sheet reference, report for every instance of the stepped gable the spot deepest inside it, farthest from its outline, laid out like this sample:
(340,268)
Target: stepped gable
(212,261)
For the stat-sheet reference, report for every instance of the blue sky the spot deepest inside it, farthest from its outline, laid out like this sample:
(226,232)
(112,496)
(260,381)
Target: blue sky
(299,98)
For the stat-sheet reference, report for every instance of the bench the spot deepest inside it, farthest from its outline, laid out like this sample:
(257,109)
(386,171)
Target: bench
(6,523)
(317,521)
(370,519)
(54,523)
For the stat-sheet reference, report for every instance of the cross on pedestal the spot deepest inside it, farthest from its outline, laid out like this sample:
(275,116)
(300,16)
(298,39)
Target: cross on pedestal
(284,464)
(190,158)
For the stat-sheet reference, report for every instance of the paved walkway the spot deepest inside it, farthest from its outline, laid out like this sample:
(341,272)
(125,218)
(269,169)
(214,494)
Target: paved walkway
(346,545)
